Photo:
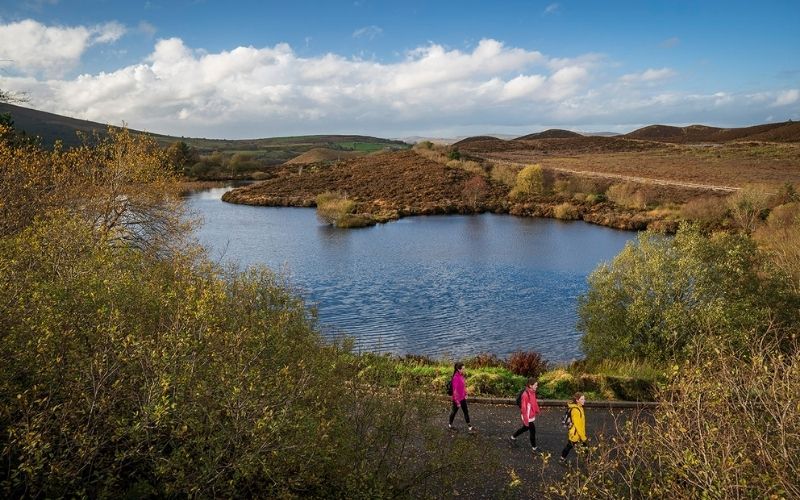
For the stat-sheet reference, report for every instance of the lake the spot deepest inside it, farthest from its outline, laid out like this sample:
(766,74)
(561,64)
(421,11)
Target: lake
(434,285)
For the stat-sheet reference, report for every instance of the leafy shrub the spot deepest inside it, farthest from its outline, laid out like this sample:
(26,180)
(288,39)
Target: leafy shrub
(453,154)
(504,173)
(780,238)
(333,207)
(661,295)
(355,221)
(563,187)
(627,195)
(693,444)
(527,363)
(566,211)
(475,190)
(530,182)
(706,210)
(750,206)
(595,198)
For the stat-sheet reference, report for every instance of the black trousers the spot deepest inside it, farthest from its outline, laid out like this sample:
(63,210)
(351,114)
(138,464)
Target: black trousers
(568,448)
(454,410)
(531,428)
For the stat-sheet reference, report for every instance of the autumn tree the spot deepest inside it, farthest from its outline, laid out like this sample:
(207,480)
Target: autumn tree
(475,190)
(530,182)
(181,156)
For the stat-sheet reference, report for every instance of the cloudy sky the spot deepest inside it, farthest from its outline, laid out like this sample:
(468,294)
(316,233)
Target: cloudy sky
(394,69)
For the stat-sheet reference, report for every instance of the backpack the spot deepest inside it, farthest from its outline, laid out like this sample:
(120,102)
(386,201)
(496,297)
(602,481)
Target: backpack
(448,387)
(519,398)
(566,420)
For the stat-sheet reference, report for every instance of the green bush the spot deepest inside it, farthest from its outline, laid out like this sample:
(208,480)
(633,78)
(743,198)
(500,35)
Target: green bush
(661,295)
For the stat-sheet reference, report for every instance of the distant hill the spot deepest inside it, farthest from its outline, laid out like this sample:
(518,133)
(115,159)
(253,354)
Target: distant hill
(484,143)
(553,133)
(317,155)
(51,127)
(775,132)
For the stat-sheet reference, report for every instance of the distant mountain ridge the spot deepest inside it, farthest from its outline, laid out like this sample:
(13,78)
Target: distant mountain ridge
(51,127)
(788,131)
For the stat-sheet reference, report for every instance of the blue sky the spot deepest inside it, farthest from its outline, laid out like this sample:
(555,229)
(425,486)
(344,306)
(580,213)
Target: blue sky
(255,69)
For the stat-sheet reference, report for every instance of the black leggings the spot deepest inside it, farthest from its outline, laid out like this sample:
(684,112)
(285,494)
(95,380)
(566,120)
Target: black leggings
(454,410)
(532,429)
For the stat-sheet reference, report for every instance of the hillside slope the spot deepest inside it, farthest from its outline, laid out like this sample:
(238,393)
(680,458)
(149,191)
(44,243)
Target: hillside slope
(51,127)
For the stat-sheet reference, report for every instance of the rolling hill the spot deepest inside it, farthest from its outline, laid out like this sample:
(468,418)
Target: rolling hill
(51,127)
(770,132)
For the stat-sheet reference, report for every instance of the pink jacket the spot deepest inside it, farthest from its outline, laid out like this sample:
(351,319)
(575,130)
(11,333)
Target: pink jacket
(529,407)
(459,388)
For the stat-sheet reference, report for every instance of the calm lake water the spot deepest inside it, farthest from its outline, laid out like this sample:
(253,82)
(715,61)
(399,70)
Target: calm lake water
(438,285)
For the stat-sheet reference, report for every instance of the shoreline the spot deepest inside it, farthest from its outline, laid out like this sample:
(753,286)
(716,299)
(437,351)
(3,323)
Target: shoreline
(601,214)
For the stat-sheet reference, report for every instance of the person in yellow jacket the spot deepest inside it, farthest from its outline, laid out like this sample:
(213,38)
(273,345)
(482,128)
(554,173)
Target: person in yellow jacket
(577,429)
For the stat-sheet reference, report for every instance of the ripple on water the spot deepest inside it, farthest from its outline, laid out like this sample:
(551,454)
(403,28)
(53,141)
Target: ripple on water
(454,285)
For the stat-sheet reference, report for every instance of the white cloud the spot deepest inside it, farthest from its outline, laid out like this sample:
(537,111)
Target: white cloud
(369,32)
(33,47)
(259,92)
(648,76)
(787,98)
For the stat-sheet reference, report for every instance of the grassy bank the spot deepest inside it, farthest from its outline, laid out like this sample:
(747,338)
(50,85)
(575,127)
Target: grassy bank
(492,377)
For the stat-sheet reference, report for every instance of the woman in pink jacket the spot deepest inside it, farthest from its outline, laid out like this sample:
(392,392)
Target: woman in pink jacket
(459,395)
(529,409)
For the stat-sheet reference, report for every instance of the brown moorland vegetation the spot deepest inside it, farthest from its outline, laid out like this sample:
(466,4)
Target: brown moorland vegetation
(621,181)
(776,132)
(393,184)
(317,155)
(655,179)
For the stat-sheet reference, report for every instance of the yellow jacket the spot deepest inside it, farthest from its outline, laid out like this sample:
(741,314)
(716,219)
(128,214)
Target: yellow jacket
(577,431)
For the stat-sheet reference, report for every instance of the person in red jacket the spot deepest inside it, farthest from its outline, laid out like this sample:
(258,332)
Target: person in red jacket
(459,399)
(528,409)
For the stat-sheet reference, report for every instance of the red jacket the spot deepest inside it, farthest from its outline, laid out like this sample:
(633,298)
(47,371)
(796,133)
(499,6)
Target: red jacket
(459,388)
(529,407)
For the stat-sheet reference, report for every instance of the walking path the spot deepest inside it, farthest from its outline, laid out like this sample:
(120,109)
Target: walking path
(494,424)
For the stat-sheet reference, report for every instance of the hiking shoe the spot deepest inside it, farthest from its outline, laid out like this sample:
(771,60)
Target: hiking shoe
(470,428)
(535,449)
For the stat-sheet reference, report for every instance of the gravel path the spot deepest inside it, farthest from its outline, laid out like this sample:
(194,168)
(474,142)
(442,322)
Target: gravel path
(494,425)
